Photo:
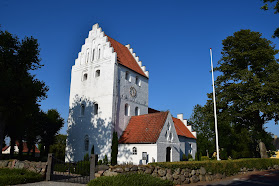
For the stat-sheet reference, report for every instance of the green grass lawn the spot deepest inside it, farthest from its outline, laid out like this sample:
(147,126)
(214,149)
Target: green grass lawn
(18,176)
(129,180)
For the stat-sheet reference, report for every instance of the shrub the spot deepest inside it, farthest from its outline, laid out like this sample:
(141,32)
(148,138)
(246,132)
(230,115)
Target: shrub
(184,157)
(86,157)
(204,158)
(105,160)
(129,179)
(18,176)
(190,157)
(228,167)
(100,162)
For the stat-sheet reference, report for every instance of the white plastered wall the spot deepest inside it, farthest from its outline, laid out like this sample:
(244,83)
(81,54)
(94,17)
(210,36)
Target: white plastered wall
(93,90)
(125,153)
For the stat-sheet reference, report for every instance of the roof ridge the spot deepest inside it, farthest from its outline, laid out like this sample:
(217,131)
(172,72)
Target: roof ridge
(130,60)
(179,128)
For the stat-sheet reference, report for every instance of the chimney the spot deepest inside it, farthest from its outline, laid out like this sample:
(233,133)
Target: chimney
(180,116)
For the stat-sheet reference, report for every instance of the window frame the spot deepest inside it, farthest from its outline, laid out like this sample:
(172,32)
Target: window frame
(134,151)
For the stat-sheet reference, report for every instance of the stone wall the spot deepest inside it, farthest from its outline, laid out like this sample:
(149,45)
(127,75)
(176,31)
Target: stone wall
(178,176)
(38,167)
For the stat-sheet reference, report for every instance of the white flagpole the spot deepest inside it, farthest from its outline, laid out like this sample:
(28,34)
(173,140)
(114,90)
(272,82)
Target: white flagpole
(215,115)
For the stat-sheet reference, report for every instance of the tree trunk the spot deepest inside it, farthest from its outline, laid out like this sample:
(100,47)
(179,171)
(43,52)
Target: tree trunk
(20,148)
(12,147)
(2,130)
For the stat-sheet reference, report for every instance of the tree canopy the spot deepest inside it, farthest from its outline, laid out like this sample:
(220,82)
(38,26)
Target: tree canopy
(275,4)
(247,94)
(21,92)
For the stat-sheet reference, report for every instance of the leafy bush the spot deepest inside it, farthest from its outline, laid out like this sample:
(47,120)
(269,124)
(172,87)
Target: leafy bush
(229,167)
(184,157)
(86,157)
(204,158)
(18,176)
(105,160)
(129,179)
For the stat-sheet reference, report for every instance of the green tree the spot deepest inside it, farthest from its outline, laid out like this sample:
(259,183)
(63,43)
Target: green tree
(114,149)
(20,90)
(247,89)
(202,123)
(59,146)
(275,4)
(51,123)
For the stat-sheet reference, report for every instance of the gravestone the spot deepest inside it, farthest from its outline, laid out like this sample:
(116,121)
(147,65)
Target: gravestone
(263,150)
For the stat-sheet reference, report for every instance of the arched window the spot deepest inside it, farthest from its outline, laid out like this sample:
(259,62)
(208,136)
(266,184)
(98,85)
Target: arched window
(137,111)
(135,151)
(82,109)
(93,54)
(138,82)
(85,76)
(127,76)
(127,110)
(86,143)
(96,109)
(97,73)
(190,150)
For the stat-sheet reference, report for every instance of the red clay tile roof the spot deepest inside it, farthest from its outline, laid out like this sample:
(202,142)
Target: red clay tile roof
(124,57)
(25,148)
(181,129)
(5,148)
(144,128)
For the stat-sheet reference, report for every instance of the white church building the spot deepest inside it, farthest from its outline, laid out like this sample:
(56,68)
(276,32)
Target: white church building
(109,92)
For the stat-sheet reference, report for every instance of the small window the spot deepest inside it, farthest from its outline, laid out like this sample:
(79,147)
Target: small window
(138,82)
(99,53)
(134,151)
(127,76)
(93,54)
(144,155)
(86,143)
(127,110)
(96,109)
(97,73)
(190,150)
(84,77)
(137,111)
(87,55)
(82,109)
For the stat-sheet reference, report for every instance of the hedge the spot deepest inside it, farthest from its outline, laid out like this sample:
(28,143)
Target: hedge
(132,179)
(18,176)
(229,167)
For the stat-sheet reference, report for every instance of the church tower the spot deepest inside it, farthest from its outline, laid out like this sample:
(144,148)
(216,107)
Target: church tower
(108,86)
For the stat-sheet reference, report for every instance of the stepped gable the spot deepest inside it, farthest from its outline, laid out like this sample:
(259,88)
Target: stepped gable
(181,129)
(144,128)
(124,57)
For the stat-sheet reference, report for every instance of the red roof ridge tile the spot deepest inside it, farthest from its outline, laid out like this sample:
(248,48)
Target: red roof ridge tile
(186,132)
(125,57)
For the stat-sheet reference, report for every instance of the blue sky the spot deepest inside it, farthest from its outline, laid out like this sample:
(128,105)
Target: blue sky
(171,38)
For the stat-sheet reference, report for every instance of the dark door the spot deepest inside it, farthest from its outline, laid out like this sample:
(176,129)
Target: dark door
(168,154)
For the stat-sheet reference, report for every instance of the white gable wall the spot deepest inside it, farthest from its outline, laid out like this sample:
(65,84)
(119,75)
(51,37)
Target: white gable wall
(125,153)
(93,90)
(163,142)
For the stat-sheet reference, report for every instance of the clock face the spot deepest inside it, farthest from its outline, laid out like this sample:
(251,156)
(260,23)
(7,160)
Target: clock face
(133,92)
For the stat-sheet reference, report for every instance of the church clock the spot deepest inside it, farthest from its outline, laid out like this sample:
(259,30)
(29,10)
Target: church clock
(133,92)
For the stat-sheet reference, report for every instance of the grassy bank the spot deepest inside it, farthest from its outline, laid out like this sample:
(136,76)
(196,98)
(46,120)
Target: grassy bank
(18,176)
